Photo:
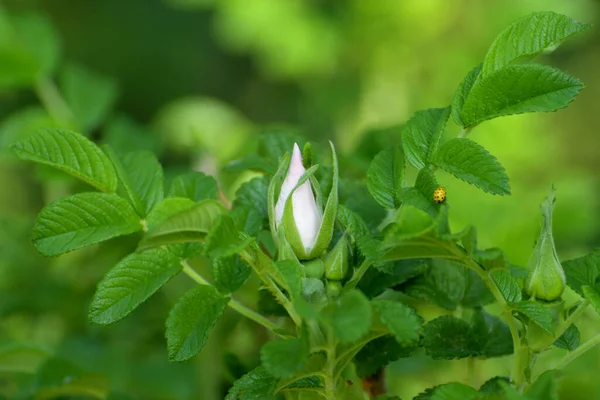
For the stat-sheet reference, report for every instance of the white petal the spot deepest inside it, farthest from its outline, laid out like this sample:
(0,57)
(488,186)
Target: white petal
(295,171)
(306,215)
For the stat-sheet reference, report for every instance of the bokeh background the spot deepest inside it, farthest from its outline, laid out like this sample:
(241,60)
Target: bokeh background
(192,81)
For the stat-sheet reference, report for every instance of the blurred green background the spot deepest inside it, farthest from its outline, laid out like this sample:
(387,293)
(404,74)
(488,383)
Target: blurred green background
(193,81)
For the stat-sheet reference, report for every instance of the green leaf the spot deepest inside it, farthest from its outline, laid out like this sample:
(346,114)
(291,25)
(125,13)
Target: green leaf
(418,247)
(400,319)
(70,152)
(257,384)
(58,378)
(81,220)
(349,316)
(131,282)
(89,95)
(141,177)
(454,391)
(582,271)
(224,239)
(379,353)
(465,87)
(410,222)
(426,183)
(191,319)
(447,338)
(376,280)
(545,387)
(528,37)
(470,162)
(538,313)
(229,273)
(593,296)
(250,207)
(21,358)
(507,285)
(165,209)
(283,358)
(421,135)
(443,283)
(189,225)
(569,340)
(491,336)
(195,186)
(492,258)
(385,177)
(252,162)
(518,89)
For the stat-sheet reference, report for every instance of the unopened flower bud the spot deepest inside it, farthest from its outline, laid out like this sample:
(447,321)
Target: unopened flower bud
(336,262)
(546,279)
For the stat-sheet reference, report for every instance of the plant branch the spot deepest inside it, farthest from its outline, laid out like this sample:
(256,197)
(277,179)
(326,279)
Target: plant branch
(570,320)
(329,376)
(357,276)
(54,103)
(578,352)
(233,304)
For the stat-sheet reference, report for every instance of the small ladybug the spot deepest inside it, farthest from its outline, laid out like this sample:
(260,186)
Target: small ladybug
(439,195)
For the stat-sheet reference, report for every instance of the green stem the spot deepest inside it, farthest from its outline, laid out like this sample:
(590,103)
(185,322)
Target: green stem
(330,369)
(54,103)
(519,362)
(358,274)
(578,352)
(234,304)
(464,132)
(570,320)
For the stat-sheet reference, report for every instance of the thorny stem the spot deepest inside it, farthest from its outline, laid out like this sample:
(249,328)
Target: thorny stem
(578,352)
(330,369)
(234,304)
(517,372)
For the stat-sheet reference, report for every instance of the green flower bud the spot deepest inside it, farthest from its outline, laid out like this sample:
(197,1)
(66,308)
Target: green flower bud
(336,262)
(546,279)
(314,268)
(334,288)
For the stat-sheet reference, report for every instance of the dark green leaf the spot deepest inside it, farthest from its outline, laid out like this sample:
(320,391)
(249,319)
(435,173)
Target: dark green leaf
(569,340)
(375,281)
(379,353)
(21,358)
(252,162)
(491,336)
(447,338)
(452,391)
(58,378)
(257,384)
(507,285)
(400,319)
(70,152)
(529,36)
(582,271)
(386,176)
(421,135)
(191,319)
(89,95)
(142,178)
(349,316)
(224,240)
(133,280)
(518,89)
(462,93)
(195,186)
(538,313)
(470,162)
(188,225)
(444,283)
(492,258)
(283,358)
(230,273)
(250,210)
(81,220)
(493,386)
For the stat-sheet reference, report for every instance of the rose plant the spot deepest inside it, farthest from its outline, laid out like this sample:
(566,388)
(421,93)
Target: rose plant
(340,258)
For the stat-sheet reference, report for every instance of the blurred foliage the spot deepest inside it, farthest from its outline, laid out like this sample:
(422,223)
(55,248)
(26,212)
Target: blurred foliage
(191,81)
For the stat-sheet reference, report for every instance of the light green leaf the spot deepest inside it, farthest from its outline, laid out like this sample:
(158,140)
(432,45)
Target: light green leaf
(195,186)
(191,319)
(349,317)
(257,384)
(582,271)
(418,247)
(593,296)
(189,225)
(462,93)
(81,220)
(528,37)
(229,273)
(69,152)
(165,209)
(400,319)
(421,135)
(89,95)
(518,89)
(410,222)
(283,358)
(454,391)
(22,358)
(470,162)
(131,282)
(538,313)
(385,177)
(545,387)
(507,285)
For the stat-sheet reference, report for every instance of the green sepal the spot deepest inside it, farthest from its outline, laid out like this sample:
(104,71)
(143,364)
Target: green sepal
(336,261)
(271,199)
